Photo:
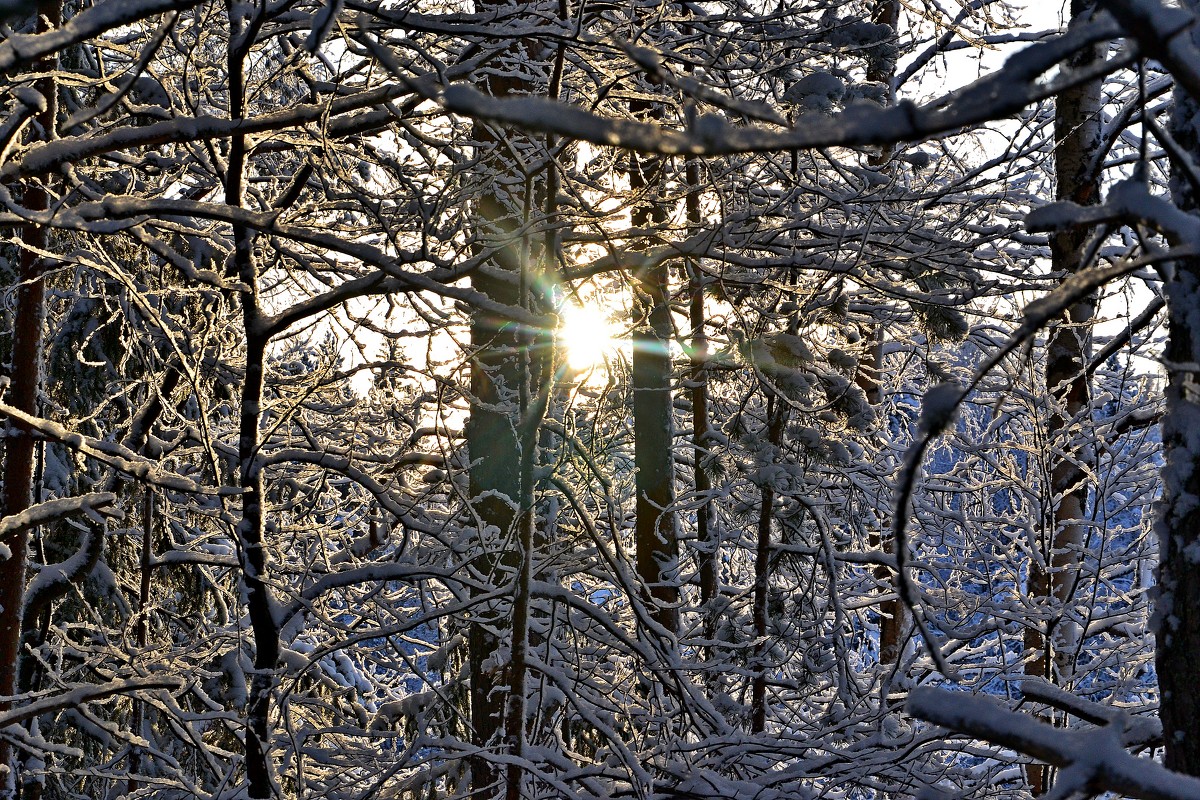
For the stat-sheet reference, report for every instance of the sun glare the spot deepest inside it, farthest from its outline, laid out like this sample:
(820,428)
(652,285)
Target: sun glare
(587,336)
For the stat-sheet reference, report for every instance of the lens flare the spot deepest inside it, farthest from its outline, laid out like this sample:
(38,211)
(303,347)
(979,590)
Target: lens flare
(586,335)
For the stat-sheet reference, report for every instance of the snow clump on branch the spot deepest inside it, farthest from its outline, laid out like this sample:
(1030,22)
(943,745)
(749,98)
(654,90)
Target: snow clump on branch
(938,408)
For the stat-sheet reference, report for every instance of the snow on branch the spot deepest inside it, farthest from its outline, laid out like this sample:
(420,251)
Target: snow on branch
(344,464)
(49,156)
(1093,759)
(379,573)
(940,403)
(392,264)
(54,510)
(85,694)
(1005,92)
(29,102)
(1156,27)
(22,49)
(1137,730)
(110,453)
(1128,202)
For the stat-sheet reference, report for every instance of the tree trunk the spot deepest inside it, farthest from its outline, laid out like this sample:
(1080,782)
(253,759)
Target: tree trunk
(657,542)
(1177,607)
(777,413)
(893,616)
(265,631)
(496,440)
(1052,574)
(881,68)
(142,631)
(495,488)
(23,392)
(538,355)
(707,542)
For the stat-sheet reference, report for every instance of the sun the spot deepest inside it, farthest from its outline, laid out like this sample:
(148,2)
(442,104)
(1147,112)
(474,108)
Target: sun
(587,336)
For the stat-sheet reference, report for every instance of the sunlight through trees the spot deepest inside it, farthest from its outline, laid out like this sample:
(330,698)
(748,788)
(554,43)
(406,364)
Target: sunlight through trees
(586,400)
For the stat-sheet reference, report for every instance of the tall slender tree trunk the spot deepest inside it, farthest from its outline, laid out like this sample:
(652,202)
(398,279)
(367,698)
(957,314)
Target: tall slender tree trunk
(259,773)
(142,631)
(881,68)
(1177,607)
(707,541)
(495,488)
(893,616)
(657,541)
(535,393)
(23,393)
(498,441)
(532,408)
(777,413)
(1053,572)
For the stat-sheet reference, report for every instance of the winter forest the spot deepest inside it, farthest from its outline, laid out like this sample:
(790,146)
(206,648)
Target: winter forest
(579,399)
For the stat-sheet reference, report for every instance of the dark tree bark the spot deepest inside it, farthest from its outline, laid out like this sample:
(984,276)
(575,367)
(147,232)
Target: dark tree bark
(23,390)
(535,394)
(881,68)
(265,630)
(657,542)
(777,414)
(1053,570)
(1177,606)
(500,439)
(142,631)
(537,369)
(495,487)
(707,541)
(893,616)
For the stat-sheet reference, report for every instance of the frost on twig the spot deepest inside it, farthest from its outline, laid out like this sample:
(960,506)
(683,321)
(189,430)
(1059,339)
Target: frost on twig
(940,402)
(21,49)
(938,408)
